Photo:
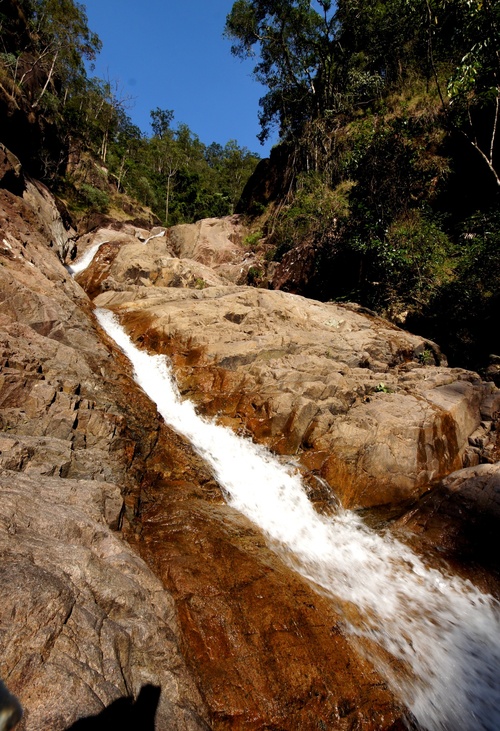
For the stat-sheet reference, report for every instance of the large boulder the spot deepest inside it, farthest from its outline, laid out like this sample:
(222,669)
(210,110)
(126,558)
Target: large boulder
(459,519)
(83,620)
(362,403)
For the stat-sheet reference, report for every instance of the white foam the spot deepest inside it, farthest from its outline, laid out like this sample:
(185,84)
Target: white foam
(85,261)
(442,628)
(154,236)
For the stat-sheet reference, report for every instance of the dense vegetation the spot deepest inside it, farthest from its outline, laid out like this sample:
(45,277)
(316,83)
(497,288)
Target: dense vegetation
(387,167)
(389,113)
(74,132)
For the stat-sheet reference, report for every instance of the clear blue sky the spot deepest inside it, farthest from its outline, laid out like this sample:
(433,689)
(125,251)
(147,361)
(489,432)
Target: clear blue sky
(171,54)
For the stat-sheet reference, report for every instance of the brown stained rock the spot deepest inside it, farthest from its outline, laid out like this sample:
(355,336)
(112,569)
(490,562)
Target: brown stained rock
(342,389)
(267,650)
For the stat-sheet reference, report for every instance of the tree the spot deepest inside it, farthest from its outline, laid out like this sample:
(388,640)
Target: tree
(166,151)
(234,167)
(161,119)
(300,62)
(62,40)
(462,42)
(474,86)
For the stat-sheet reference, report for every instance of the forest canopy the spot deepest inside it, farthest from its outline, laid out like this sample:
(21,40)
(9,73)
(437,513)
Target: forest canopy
(83,140)
(389,112)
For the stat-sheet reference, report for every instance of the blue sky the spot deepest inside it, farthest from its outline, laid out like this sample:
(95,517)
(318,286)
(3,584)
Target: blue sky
(171,54)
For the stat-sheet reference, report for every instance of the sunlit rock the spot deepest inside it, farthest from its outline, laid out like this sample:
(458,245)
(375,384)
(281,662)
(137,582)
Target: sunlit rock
(354,397)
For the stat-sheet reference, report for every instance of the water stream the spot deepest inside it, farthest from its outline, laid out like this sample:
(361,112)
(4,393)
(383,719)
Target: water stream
(440,628)
(85,261)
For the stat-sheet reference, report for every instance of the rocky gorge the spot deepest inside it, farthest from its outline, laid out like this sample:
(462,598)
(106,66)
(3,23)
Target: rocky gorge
(126,572)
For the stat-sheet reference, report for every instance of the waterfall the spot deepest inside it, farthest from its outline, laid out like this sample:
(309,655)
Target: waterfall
(85,261)
(439,627)
(154,236)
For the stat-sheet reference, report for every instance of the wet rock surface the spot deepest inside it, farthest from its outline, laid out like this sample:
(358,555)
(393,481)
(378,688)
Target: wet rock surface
(459,520)
(268,650)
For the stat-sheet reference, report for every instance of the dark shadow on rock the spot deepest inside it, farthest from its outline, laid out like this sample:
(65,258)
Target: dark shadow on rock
(459,521)
(125,713)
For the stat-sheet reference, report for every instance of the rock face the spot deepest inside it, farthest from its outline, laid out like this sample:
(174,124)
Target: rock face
(124,574)
(83,620)
(459,518)
(354,397)
(208,253)
(130,588)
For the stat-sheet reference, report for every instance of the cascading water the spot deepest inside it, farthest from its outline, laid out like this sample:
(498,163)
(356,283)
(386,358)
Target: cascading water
(79,266)
(441,629)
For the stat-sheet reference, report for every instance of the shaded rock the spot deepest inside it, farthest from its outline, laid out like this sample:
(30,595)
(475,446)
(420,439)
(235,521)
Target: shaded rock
(296,269)
(56,230)
(10,709)
(343,389)
(11,173)
(460,519)
(125,713)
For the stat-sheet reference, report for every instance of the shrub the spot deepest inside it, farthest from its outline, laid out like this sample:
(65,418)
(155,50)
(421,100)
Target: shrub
(97,200)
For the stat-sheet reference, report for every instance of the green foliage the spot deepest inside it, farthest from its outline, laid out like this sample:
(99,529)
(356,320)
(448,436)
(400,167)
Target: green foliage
(250,242)
(94,199)
(254,275)
(314,213)
(426,357)
(296,63)
(409,263)
(463,314)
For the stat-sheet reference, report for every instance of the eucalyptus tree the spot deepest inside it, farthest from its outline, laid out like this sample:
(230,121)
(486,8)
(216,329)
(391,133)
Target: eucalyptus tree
(299,59)
(474,85)
(165,151)
(59,41)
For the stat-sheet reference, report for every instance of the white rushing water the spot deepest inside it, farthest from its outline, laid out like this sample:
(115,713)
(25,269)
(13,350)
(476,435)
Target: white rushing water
(85,261)
(154,236)
(442,628)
